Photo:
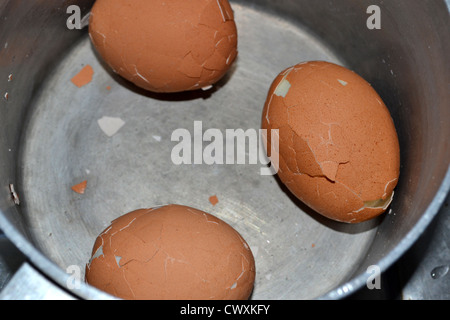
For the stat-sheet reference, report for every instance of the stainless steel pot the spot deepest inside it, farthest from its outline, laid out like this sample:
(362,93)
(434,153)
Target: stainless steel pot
(50,140)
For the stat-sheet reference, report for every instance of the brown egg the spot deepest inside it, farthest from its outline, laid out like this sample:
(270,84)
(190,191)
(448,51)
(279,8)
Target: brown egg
(338,147)
(171,252)
(165,46)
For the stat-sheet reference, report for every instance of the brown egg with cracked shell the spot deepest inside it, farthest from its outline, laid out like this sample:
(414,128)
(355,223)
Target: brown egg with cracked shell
(337,143)
(171,252)
(165,46)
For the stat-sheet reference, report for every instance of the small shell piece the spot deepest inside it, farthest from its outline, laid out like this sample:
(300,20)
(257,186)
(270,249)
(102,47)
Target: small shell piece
(80,187)
(83,77)
(214,200)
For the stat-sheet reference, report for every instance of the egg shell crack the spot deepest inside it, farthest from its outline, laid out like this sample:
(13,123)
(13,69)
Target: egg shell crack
(153,249)
(324,133)
(184,48)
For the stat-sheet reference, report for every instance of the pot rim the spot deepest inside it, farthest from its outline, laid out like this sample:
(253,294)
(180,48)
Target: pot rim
(357,282)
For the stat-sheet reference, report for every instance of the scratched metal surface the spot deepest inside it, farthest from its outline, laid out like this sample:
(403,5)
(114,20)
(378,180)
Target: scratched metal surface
(298,254)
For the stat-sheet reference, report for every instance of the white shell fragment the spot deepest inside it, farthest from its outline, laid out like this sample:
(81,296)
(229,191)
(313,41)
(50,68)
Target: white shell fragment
(282,88)
(110,125)
(157,138)
(14,195)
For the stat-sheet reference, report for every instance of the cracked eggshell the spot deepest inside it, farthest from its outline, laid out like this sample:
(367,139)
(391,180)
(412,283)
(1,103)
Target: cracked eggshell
(338,147)
(171,252)
(165,46)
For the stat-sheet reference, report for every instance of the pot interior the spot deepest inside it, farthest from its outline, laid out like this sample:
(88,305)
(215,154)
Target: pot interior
(298,253)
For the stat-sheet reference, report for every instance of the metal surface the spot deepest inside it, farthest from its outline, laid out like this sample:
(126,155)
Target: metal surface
(414,275)
(425,268)
(20,287)
(298,253)
(10,260)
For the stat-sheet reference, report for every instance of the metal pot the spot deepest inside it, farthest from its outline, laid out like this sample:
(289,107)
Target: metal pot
(50,140)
